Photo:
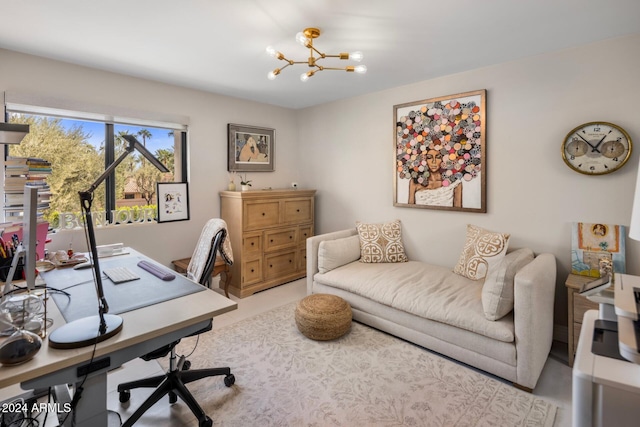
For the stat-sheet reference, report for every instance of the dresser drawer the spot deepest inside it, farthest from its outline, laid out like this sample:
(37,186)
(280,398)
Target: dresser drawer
(280,264)
(251,271)
(297,211)
(261,214)
(280,239)
(252,243)
(304,232)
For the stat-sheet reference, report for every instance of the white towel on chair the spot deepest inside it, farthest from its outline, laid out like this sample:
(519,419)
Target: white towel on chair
(201,252)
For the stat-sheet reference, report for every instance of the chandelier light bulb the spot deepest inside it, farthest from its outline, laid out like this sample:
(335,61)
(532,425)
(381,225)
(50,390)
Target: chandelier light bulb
(356,56)
(302,39)
(271,51)
(304,77)
(271,75)
(360,69)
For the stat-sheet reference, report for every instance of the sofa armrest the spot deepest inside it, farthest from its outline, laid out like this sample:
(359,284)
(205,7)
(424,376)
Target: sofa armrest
(534,293)
(313,244)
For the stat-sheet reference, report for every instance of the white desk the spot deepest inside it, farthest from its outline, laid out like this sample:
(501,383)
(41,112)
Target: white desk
(144,330)
(606,391)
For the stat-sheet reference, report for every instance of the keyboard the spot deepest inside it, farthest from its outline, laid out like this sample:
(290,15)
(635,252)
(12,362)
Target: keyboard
(157,271)
(120,274)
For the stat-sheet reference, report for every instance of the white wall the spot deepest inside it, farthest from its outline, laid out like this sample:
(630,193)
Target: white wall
(209,115)
(347,150)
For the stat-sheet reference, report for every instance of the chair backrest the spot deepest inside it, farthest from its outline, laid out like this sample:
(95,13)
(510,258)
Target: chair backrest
(204,256)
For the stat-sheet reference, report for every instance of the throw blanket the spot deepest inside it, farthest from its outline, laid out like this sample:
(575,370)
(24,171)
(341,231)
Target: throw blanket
(201,252)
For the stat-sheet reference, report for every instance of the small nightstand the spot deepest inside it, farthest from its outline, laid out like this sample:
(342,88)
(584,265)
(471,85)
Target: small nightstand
(220,267)
(577,305)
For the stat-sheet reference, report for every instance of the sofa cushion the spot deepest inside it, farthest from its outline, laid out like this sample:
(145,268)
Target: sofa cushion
(338,252)
(482,252)
(381,242)
(497,290)
(425,290)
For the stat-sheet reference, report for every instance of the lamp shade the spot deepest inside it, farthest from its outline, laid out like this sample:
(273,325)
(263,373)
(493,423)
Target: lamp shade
(634,225)
(12,133)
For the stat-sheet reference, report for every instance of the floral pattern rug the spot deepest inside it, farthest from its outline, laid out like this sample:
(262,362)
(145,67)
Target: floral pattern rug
(365,378)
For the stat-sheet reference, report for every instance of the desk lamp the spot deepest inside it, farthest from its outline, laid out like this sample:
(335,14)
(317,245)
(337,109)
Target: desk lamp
(94,329)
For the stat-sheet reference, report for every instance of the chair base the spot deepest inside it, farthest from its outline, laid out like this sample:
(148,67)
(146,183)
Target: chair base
(173,384)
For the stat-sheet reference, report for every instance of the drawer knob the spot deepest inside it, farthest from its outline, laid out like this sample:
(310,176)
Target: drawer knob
(290,261)
(291,237)
(305,234)
(271,241)
(270,265)
(252,270)
(263,214)
(297,210)
(252,243)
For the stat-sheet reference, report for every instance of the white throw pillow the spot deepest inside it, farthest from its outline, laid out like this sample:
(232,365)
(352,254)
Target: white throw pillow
(483,251)
(336,253)
(381,242)
(497,291)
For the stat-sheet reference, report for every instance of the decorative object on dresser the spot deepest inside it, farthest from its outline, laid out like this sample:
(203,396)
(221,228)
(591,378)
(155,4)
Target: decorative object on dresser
(268,231)
(251,148)
(440,153)
(591,243)
(596,148)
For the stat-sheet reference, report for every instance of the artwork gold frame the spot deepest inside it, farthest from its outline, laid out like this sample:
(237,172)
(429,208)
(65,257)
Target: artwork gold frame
(439,152)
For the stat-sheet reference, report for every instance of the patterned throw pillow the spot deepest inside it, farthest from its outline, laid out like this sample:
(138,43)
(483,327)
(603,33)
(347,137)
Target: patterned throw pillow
(483,251)
(381,242)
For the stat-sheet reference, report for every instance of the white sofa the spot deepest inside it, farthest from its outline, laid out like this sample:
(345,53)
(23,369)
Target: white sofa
(442,311)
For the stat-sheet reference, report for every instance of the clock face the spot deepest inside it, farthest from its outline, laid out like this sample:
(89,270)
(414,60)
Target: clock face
(596,148)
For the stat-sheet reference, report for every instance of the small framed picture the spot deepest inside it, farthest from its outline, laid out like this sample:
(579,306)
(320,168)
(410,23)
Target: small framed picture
(173,201)
(251,148)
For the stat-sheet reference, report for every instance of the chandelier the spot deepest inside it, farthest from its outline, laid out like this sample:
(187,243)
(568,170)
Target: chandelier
(305,38)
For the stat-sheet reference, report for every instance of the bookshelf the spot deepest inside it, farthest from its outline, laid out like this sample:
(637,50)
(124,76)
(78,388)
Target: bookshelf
(21,171)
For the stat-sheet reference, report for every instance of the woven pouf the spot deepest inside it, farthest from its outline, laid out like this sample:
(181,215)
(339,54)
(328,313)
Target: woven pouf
(323,317)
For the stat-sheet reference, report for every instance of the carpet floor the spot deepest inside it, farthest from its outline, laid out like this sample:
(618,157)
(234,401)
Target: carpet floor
(365,378)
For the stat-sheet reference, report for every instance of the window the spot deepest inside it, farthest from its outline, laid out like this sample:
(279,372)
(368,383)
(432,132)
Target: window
(80,150)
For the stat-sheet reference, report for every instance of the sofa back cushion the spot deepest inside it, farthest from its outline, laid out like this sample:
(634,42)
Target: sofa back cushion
(497,290)
(381,242)
(336,253)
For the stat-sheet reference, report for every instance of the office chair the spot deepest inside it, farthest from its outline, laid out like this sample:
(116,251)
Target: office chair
(173,382)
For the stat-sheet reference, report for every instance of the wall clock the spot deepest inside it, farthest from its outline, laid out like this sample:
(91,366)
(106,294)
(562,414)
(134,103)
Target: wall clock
(596,148)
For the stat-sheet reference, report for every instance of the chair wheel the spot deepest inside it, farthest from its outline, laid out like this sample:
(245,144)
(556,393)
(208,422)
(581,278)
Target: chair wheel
(229,380)
(186,365)
(173,398)
(206,422)
(124,396)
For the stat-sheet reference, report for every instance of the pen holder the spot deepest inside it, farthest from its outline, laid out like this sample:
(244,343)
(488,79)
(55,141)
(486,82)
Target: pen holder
(5,265)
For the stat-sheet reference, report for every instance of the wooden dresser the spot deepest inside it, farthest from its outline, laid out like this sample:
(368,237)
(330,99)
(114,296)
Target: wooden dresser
(268,231)
(577,307)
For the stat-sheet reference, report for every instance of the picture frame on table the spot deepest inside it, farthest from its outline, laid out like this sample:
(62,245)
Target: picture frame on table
(439,150)
(173,201)
(251,148)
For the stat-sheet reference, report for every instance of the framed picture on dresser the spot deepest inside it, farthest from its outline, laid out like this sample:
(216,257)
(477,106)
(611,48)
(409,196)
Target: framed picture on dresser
(173,201)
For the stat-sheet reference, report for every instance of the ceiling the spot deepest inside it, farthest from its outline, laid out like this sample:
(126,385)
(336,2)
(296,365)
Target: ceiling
(219,45)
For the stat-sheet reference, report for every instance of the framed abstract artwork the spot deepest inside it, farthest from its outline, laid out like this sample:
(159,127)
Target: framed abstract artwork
(173,201)
(439,151)
(251,148)
(593,242)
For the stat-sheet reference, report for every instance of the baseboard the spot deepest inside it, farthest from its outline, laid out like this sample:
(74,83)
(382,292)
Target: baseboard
(561,333)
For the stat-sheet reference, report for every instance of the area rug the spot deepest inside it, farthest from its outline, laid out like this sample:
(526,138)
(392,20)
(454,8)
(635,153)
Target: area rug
(365,378)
